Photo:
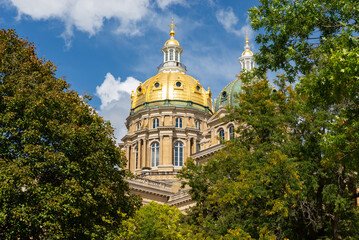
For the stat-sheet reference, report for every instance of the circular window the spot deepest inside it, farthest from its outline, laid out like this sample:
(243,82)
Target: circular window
(198,88)
(178,84)
(157,84)
(139,89)
(224,94)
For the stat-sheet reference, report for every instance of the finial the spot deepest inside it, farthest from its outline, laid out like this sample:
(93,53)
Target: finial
(247,42)
(172,26)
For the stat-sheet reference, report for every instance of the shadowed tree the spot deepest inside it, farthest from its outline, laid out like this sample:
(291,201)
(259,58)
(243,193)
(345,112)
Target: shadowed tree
(59,175)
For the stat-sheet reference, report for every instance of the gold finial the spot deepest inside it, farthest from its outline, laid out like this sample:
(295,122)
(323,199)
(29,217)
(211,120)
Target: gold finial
(172,26)
(247,42)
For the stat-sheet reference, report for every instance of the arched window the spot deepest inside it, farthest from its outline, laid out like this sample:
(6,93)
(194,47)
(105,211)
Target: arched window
(198,125)
(231,132)
(221,134)
(178,122)
(155,154)
(178,158)
(138,126)
(176,56)
(155,122)
(171,55)
(166,56)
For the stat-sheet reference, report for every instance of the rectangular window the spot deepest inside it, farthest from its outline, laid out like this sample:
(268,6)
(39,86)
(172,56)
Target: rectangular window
(157,156)
(171,55)
(181,156)
(176,156)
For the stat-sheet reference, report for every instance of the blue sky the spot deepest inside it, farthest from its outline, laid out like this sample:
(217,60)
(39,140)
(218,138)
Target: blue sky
(105,47)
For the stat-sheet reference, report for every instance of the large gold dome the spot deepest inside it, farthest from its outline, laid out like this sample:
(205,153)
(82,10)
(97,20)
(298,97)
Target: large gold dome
(171,89)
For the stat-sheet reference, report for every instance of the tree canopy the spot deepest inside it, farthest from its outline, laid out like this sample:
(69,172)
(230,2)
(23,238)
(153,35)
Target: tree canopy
(292,172)
(155,221)
(59,163)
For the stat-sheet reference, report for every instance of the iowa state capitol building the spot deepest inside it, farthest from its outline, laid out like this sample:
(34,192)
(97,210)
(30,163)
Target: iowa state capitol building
(172,118)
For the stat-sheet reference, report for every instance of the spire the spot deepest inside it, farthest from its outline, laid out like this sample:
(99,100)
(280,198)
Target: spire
(247,48)
(172,32)
(247,58)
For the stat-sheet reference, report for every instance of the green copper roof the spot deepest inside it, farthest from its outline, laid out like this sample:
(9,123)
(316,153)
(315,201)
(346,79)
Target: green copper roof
(226,96)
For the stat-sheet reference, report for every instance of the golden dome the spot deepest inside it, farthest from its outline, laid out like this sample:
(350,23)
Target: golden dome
(171,89)
(247,52)
(172,42)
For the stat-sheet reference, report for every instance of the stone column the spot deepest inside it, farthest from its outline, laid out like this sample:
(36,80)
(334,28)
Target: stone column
(188,149)
(128,156)
(161,150)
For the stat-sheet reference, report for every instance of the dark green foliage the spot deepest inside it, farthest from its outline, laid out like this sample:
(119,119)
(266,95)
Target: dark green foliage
(292,173)
(57,156)
(252,185)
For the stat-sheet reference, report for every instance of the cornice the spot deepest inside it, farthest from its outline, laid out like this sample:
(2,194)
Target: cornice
(208,152)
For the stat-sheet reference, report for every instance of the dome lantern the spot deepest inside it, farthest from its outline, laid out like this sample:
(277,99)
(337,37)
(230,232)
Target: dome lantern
(247,58)
(172,54)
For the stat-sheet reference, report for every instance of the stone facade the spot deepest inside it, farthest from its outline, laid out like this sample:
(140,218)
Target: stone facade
(172,119)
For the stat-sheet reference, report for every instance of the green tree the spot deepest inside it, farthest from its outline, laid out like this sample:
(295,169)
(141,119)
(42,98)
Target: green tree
(293,170)
(157,222)
(316,43)
(59,176)
(253,185)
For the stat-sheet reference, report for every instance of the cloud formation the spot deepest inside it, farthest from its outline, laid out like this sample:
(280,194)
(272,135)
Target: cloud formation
(90,15)
(116,101)
(229,21)
(164,3)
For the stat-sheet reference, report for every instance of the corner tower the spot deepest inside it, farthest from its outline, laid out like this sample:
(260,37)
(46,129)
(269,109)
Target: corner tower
(227,96)
(247,58)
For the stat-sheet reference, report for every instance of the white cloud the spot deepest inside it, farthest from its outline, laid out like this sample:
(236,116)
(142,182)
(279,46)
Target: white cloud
(112,89)
(229,21)
(89,15)
(116,101)
(86,15)
(164,3)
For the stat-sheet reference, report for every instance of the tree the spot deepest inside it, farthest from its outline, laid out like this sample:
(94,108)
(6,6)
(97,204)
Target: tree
(59,164)
(155,221)
(316,43)
(292,172)
(253,185)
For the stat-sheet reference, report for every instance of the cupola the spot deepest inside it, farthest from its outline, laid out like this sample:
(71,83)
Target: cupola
(247,58)
(172,54)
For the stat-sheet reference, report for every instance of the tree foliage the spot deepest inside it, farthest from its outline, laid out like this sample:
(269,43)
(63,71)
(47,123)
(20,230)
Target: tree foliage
(316,42)
(253,184)
(59,176)
(292,172)
(155,221)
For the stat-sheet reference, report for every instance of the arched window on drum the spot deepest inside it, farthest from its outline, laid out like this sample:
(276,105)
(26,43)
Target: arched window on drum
(155,154)
(178,154)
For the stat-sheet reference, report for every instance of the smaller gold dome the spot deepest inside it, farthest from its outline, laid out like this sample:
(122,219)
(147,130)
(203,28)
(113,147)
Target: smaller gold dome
(247,52)
(172,42)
